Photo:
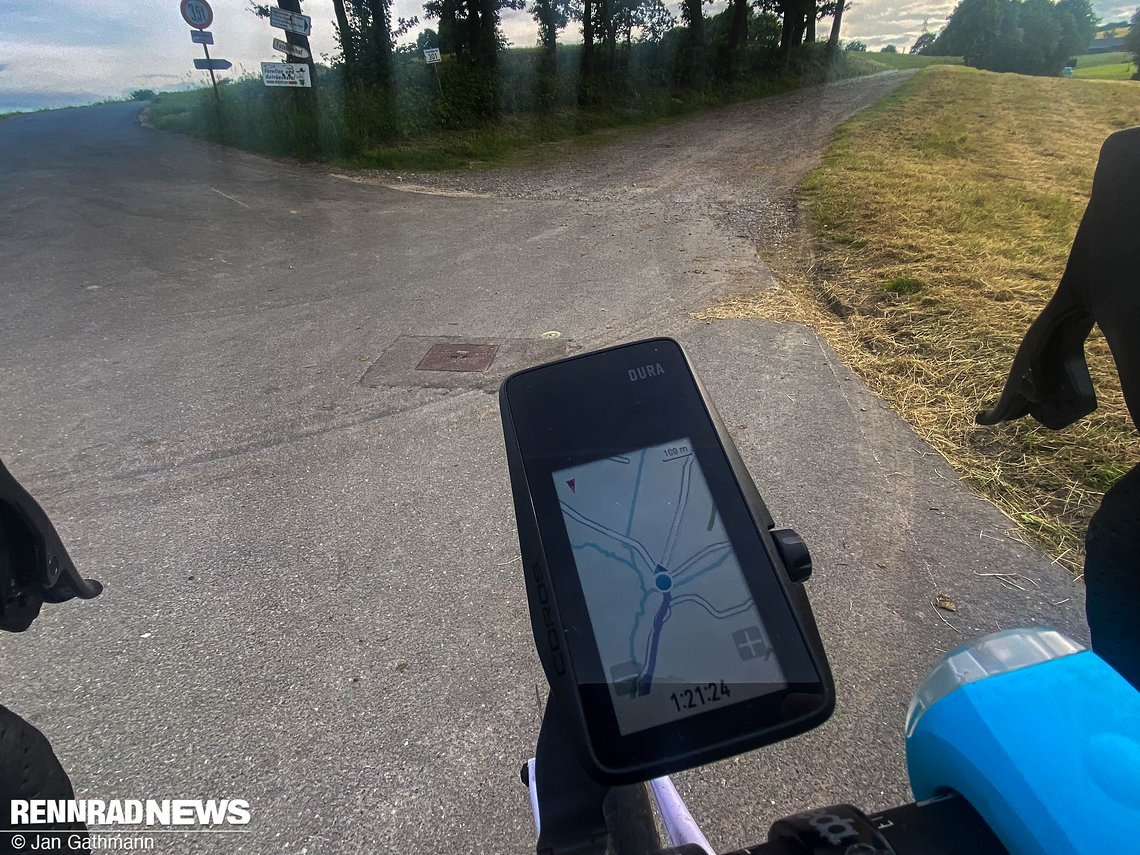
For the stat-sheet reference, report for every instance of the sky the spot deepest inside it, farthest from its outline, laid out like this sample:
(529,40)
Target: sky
(55,53)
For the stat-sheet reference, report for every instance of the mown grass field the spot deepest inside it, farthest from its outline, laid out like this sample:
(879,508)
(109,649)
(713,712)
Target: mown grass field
(903,60)
(941,220)
(1105,66)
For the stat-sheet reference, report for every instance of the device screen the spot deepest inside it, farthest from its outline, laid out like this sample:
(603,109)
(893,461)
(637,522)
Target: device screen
(676,627)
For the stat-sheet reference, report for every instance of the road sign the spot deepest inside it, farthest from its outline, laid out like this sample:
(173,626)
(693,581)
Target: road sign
(293,74)
(431,55)
(291,22)
(197,13)
(292,50)
(212,64)
(201,37)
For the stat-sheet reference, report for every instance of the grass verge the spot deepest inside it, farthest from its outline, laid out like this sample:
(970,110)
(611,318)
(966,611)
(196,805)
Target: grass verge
(940,223)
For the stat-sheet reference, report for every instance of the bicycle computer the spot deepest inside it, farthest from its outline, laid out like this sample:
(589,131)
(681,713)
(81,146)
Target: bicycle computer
(666,621)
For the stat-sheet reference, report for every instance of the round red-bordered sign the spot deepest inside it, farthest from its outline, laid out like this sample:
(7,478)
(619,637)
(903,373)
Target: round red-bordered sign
(197,13)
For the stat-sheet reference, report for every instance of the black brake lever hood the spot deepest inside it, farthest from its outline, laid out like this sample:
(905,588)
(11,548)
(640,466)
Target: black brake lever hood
(52,570)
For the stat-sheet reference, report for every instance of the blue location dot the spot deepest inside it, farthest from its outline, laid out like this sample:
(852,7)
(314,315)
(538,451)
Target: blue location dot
(664,583)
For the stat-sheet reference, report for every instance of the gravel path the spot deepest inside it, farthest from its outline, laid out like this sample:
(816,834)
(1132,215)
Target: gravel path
(738,165)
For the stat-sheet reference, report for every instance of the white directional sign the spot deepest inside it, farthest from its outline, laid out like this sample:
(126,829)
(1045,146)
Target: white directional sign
(431,55)
(201,37)
(197,13)
(291,22)
(294,74)
(292,50)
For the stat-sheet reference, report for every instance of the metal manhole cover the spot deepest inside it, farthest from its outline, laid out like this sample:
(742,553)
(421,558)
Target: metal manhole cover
(458,357)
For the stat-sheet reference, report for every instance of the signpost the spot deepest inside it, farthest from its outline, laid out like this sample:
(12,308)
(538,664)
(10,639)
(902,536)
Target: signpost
(292,50)
(432,57)
(199,15)
(294,75)
(290,22)
(287,16)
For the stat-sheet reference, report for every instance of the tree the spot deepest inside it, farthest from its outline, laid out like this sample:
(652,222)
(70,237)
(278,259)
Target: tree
(364,30)
(922,44)
(764,31)
(737,33)
(1025,36)
(654,21)
(856,47)
(551,16)
(650,19)
(1078,26)
(345,38)
(469,28)
(692,59)
(798,19)
(889,49)
(836,23)
(973,32)
(1132,42)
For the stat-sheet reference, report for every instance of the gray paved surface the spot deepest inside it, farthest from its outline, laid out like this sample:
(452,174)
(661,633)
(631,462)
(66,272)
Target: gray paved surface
(312,595)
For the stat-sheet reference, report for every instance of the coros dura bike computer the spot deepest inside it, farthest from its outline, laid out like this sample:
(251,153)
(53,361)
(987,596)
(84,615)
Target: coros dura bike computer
(663,611)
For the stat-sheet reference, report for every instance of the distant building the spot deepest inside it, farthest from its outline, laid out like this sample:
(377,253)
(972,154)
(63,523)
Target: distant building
(1109,39)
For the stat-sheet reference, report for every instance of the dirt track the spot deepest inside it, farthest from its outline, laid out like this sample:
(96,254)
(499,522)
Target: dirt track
(738,165)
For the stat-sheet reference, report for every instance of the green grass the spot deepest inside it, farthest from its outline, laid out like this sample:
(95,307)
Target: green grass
(942,219)
(904,61)
(1105,66)
(903,285)
(1092,60)
(1119,71)
(511,140)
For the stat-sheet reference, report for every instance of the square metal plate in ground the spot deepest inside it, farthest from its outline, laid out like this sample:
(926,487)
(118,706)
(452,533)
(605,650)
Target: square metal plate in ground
(458,357)
(396,366)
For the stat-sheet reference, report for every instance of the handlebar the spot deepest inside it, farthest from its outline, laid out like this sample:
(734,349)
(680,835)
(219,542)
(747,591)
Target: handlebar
(944,826)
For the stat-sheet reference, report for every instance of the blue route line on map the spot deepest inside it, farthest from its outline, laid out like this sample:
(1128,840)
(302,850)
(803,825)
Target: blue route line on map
(646,681)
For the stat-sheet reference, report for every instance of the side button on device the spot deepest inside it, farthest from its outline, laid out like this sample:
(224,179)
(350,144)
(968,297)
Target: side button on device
(794,553)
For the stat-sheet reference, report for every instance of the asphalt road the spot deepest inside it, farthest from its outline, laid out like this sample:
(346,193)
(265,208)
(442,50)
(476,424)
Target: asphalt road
(313,600)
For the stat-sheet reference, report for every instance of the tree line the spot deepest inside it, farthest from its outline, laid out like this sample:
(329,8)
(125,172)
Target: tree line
(470,32)
(1036,37)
